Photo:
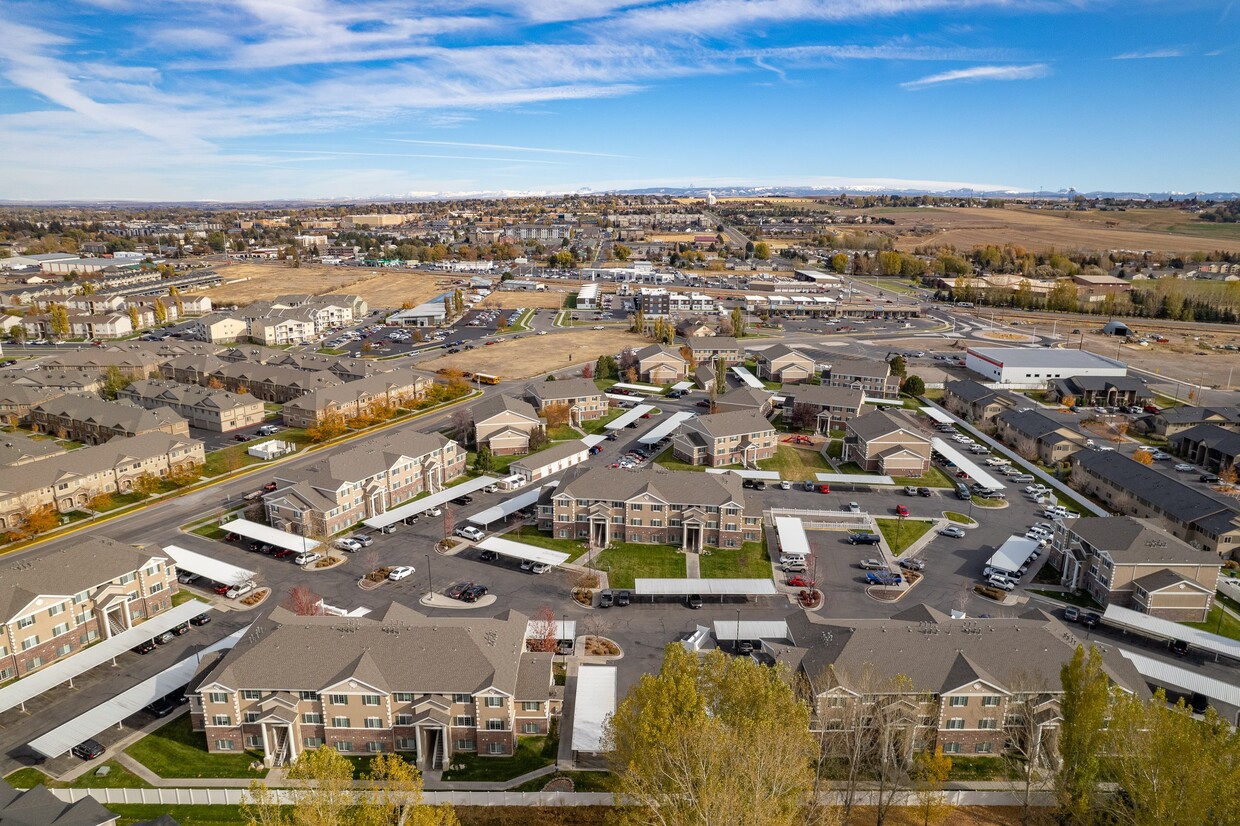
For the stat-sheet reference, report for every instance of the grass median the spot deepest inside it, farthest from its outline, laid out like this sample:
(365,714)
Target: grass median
(626,561)
(175,750)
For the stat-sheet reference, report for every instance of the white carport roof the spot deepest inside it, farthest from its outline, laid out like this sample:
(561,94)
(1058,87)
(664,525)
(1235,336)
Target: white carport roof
(40,682)
(509,506)
(792,539)
(705,587)
(1013,553)
(876,400)
(937,415)
(1127,618)
(64,737)
(640,388)
(1172,676)
(751,630)
(203,565)
(425,503)
(564,630)
(593,703)
(764,475)
(682,385)
(593,439)
(853,479)
(666,427)
(630,417)
(519,550)
(966,464)
(747,378)
(263,533)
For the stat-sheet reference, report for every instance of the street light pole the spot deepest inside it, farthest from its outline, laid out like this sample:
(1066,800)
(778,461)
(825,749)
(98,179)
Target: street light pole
(736,644)
(430,589)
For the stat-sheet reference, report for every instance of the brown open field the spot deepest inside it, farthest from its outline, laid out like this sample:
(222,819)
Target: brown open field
(536,355)
(547,300)
(1158,230)
(265,280)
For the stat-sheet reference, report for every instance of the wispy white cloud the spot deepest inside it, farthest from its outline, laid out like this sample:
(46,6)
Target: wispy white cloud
(1155,54)
(313,153)
(507,147)
(979,73)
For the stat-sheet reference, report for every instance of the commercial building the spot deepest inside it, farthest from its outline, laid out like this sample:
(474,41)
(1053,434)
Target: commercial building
(202,407)
(743,437)
(602,505)
(1135,563)
(886,443)
(396,681)
(55,604)
(1033,366)
(361,482)
(93,421)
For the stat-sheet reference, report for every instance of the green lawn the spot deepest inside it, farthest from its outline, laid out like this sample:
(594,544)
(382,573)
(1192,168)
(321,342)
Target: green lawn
(1081,600)
(1047,575)
(530,535)
(235,457)
(118,777)
(835,448)
(175,750)
(562,433)
(626,561)
(959,518)
(932,478)
(532,753)
(582,782)
(667,460)
(185,815)
(183,596)
(750,561)
(795,463)
(900,536)
(988,503)
(595,426)
(1218,622)
(499,464)
(211,530)
(979,768)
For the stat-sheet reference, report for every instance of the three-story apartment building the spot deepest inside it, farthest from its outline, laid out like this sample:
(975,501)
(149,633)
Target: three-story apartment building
(739,437)
(650,505)
(57,603)
(354,398)
(871,376)
(398,681)
(202,407)
(582,398)
(363,481)
(92,420)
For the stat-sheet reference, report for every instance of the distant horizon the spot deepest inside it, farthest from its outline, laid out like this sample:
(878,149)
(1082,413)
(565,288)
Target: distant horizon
(242,101)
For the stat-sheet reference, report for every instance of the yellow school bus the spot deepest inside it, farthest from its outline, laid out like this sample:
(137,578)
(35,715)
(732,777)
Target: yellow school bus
(486,378)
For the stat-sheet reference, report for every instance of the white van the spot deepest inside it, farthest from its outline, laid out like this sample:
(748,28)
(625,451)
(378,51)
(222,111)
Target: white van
(791,559)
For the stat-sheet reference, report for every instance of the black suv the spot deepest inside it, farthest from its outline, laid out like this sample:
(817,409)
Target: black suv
(463,500)
(88,749)
(201,619)
(144,647)
(162,707)
(474,594)
(623,598)
(864,539)
(488,556)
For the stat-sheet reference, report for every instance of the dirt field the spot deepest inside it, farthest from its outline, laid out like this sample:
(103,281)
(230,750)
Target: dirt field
(536,355)
(267,280)
(543,300)
(1164,230)
(395,289)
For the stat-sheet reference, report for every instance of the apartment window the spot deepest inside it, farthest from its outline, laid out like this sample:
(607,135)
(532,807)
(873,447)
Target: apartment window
(157,587)
(60,629)
(951,748)
(636,523)
(656,523)
(990,701)
(340,722)
(983,748)
(462,698)
(988,722)
(35,662)
(403,697)
(464,745)
(253,741)
(496,725)
(126,579)
(406,744)
(55,609)
(308,695)
(251,694)
(374,748)
(463,720)
(25,622)
(224,745)
(531,705)
(344,745)
(64,650)
(955,722)
(78,599)
(30,642)
(404,719)
(218,697)
(250,717)
(494,702)
(959,702)
(312,719)
(529,728)
(312,742)
(370,699)
(338,699)
(221,720)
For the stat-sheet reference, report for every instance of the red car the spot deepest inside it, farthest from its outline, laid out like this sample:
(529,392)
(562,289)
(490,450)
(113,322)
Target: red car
(270,486)
(901,510)
(961,475)
(645,415)
(824,488)
(800,582)
(222,589)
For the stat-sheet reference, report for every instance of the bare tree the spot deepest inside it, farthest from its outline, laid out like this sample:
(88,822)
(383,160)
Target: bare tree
(542,636)
(1027,755)
(303,602)
(463,425)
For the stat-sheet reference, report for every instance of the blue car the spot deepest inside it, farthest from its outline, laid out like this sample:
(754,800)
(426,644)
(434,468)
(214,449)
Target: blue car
(883,578)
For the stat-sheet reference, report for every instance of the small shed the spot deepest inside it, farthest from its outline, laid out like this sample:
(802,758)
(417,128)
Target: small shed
(270,449)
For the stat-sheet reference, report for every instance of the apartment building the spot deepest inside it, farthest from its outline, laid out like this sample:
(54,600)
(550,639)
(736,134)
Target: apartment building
(968,687)
(978,404)
(709,348)
(55,604)
(190,368)
(393,389)
(660,364)
(652,504)
(220,328)
(1135,563)
(871,376)
(394,681)
(550,461)
(363,481)
(133,363)
(827,407)
(1129,487)
(16,401)
(293,326)
(1034,434)
(202,407)
(784,364)
(745,398)
(741,437)
(581,396)
(1104,391)
(1208,445)
(887,443)
(93,421)
(68,481)
(17,449)
(1172,420)
(270,382)
(63,381)
(504,424)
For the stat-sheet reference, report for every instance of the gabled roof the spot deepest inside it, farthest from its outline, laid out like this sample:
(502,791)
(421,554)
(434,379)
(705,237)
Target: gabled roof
(1161,580)
(367,459)
(117,415)
(39,807)
(659,350)
(712,342)
(881,423)
(372,387)
(970,391)
(823,395)
(1183,503)
(1226,442)
(563,389)
(779,351)
(732,423)
(682,487)
(744,395)
(1186,415)
(1031,423)
(492,405)
(1130,540)
(68,571)
(863,367)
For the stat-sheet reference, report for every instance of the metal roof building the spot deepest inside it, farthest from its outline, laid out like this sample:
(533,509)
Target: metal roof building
(1038,364)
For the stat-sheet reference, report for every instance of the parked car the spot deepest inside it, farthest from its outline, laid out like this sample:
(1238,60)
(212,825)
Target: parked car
(469,532)
(164,637)
(463,500)
(362,539)
(350,545)
(694,601)
(1184,467)
(1071,613)
(88,749)
(187,578)
(540,567)
(400,572)
(1000,582)
(307,558)
(201,619)
(883,577)
(434,511)
(800,582)
(853,507)
(952,531)
(901,510)
(144,647)
(1090,620)
(460,588)
(872,565)
(605,599)
(162,707)
(864,539)
(924,492)
(239,590)
(270,486)
(623,598)
(488,556)
(914,564)
(824,488)
(474,594)
(181,629)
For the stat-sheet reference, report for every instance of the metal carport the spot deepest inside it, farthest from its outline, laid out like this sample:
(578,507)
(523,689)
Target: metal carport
(593,702)
(519,550)
(665,428)
(213,569)
(1013,553)
(1170,676)
(264,533)
(1130,620)
(630,417)
(509,506)
(764,475)
(64,737)
(435,499)
(749,379)
(32,685)
(730,630)
(853,479)
(719,588)
(966,464)
(792,538)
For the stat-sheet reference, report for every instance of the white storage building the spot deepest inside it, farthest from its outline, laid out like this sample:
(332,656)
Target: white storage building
(1025,365)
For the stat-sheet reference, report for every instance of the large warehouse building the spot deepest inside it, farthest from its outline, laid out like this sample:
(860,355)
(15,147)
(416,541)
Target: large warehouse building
(1024,365)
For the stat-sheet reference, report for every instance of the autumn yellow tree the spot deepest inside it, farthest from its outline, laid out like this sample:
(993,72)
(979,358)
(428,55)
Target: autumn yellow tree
(1144,457)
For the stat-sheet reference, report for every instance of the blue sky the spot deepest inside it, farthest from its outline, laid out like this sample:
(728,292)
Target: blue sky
(268,99)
